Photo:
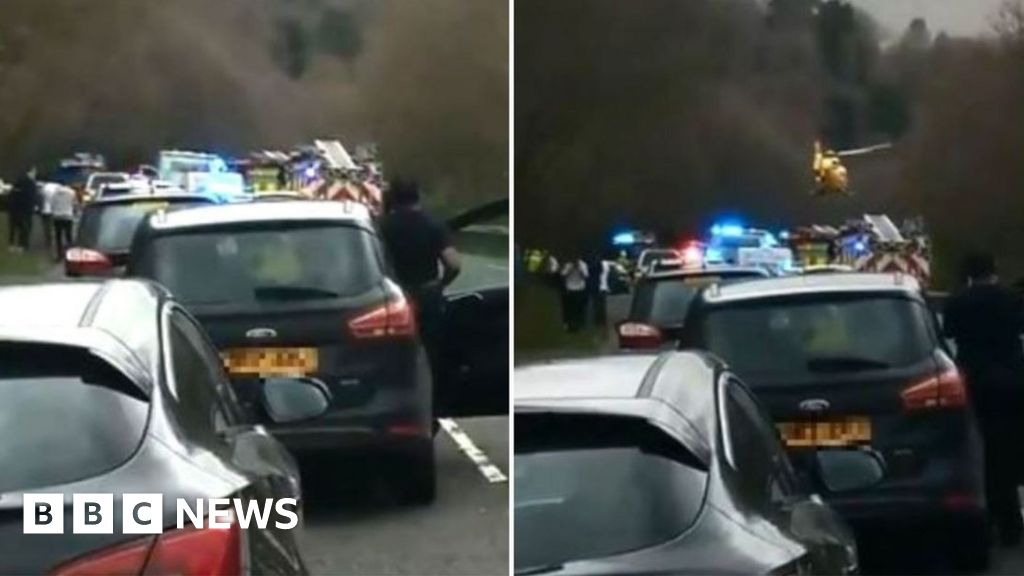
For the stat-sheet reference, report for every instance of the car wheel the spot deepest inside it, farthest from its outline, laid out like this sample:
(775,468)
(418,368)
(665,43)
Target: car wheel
(971,551)
(419,481)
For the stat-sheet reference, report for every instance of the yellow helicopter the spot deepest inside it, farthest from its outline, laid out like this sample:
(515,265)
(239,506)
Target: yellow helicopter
(830,176)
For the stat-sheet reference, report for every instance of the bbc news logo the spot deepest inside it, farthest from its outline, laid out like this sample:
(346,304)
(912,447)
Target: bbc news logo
(144,513)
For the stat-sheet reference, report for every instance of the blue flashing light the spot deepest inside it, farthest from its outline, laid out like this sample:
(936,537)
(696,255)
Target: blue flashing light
(712,255)
(731,229)
(860,247)
(624,239)
(311,172)
(784,235)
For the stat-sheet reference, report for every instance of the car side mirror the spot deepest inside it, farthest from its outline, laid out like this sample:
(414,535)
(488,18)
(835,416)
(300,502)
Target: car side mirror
(289,400)
(849,470)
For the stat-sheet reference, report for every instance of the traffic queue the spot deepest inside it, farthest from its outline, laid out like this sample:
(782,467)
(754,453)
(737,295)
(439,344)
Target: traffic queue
(213,347)
(859,420)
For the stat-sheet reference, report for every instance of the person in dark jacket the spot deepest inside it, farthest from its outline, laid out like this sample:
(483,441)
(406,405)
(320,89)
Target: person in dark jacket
(24,198)
(986,320)
(425,261)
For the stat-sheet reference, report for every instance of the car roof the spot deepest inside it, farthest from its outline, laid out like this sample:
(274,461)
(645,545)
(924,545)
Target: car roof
(640,386)
(118,319)
(707,271)
(813,284)
(147,197)
(256,212)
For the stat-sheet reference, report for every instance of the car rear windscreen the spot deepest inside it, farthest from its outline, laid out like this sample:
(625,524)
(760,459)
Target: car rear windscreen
(595,486)
(665,301)
(110,227)
(65,415)
(98,180)
(238,265)
(803,339)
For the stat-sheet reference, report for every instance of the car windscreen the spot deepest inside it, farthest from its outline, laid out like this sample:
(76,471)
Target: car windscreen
(110,227)
(311,261)
(595,486)
(799,339)
(65,415)
(665,301)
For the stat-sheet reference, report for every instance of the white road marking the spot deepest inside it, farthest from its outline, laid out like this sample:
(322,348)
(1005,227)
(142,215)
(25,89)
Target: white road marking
(491,472)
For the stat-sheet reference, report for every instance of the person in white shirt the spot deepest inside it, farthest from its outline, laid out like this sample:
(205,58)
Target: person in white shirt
(604,289)
(46,191)
(62,206)
(574,293)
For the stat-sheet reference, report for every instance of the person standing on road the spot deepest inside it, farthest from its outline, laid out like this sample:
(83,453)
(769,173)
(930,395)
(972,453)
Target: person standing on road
(46,192)
(610,273)
(23,201)
(425,261)
(574,289)
(62,207)
(986,321)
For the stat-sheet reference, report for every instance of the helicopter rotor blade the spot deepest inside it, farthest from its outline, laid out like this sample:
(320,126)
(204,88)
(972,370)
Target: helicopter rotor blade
(863,151)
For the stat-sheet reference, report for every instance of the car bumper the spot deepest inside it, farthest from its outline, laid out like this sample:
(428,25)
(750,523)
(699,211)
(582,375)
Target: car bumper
(912,512)
(396,420)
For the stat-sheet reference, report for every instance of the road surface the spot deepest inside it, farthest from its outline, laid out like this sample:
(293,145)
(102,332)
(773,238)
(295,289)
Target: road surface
(352,526)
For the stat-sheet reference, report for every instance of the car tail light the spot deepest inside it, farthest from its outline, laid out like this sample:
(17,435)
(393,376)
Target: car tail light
(129,558)
(186,552)
(638,335)
(198,552)
(959,501)
(946,390)
(86,259)
(394,318)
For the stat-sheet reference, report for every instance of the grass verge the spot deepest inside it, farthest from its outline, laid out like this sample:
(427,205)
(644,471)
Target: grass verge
(33,263)
(539,334)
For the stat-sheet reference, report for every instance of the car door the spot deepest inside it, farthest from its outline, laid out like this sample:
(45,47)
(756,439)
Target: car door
(789,506)
(214,418)
(475,353)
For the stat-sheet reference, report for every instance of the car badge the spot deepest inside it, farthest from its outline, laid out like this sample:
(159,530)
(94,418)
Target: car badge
(815,405)
(261,333)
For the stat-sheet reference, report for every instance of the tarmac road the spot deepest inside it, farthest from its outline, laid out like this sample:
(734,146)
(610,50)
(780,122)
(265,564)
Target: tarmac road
(352,526)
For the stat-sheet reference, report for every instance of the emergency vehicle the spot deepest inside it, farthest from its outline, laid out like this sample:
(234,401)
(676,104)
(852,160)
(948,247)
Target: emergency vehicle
(872,243)
(201,173)
(733,244)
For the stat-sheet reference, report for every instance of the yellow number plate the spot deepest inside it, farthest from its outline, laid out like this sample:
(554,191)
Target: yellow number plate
(831,433)
(272,361)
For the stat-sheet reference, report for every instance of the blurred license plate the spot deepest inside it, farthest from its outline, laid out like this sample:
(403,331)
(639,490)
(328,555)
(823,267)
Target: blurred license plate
(272,361)
(836,432)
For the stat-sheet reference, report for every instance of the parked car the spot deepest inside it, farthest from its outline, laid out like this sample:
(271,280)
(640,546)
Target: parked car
(105,230)
(97,181)
(857,361)
(646,464)
(661,300)
(302,290)
(112,387)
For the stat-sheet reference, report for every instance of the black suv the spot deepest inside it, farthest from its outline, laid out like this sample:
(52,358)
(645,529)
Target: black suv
(857,362)
(302,291)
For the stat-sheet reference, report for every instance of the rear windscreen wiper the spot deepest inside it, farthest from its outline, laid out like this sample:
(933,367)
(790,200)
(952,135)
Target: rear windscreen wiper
(842,363)
(291,292)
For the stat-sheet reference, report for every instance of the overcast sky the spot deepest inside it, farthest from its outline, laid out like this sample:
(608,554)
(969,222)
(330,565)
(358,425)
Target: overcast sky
(956,17)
